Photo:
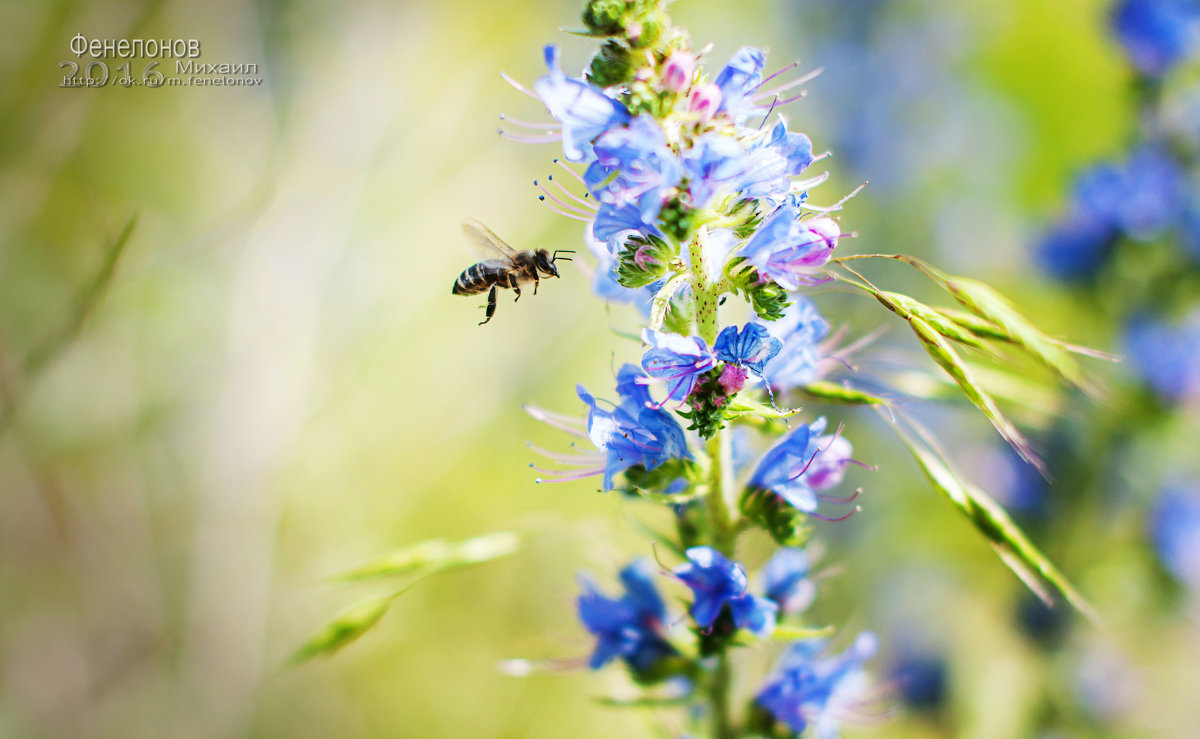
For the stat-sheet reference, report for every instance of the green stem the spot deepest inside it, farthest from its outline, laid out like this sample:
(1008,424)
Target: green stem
(721,526)
(722,723)
(704,293)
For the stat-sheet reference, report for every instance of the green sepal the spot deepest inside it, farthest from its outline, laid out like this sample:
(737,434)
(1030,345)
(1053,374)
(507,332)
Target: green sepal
(786,525)
(643,480)
(657,256)
(766,298)
(612,65)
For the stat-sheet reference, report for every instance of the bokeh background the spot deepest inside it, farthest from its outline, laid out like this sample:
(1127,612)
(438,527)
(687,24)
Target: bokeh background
(274,384)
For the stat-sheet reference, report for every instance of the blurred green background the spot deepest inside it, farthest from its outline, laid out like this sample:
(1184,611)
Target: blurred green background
(276,384)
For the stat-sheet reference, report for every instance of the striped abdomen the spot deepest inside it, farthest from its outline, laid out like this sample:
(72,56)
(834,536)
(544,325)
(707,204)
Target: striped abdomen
(479,277)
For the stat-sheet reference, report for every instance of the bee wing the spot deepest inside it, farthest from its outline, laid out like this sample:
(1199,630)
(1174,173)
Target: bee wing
(483,236)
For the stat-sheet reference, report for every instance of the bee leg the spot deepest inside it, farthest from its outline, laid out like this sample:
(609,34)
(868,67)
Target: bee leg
(516,286)
(536,282)
(491,306)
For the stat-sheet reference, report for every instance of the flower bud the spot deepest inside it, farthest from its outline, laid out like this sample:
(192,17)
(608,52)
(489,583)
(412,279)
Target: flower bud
(704,100)
(604,17)
(612,65)
(677,71)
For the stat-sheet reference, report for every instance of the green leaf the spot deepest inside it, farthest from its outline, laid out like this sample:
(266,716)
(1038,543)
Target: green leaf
(437,554)
(944,355)
(795,633)
(351,624)
(990,518)
(985,302)
(832,392)
(662,299)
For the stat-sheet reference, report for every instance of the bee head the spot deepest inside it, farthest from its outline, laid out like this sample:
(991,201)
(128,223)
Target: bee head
(545,261)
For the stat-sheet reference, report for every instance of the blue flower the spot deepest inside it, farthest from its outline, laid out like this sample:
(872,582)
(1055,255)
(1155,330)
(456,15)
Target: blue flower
(612,221)
(634,166)
(584,110)
(738,81)
(631,434)
(752,346)
(677,360)
(713,161)
(822,691)
(786,581)
(801,331)
(630,627)
(1175,527)
(801,464)
(1166,357)
(716,582)
(788,250)
(772,160)
(1156,34)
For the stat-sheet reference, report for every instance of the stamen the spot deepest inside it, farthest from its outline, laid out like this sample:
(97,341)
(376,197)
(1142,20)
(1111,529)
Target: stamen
(835,206)
(557,420)
(569,478)
(822,155)
(572,172)
(810,182)
(571,459)
(519,87)
(807,464)
(786,68)
(799,96)
(565,214)
(794,83)
(525,139)
(843,501)
(566,206)
(588,204)
(527,124)
(839,519)
(770,110)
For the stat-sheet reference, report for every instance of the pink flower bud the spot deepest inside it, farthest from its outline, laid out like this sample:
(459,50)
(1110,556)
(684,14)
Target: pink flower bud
(677,71)
(705,99)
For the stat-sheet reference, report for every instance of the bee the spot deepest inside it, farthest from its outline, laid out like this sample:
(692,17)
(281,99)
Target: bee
(513,268)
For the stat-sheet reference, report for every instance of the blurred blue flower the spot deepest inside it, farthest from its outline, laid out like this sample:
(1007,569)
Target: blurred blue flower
(1075,247)
(630,627)
(1156,34)
(821,691)
(1190,231)
(1175,527)
(716,582)
(634,166)
(788,250)
(921,679)
(785,580)
(677,360)
(802,463)
(1164,356)
(1140,198)
(800,330)
(584,110)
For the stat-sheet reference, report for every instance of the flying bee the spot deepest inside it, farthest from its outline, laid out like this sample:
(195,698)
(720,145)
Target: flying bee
(513,268)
